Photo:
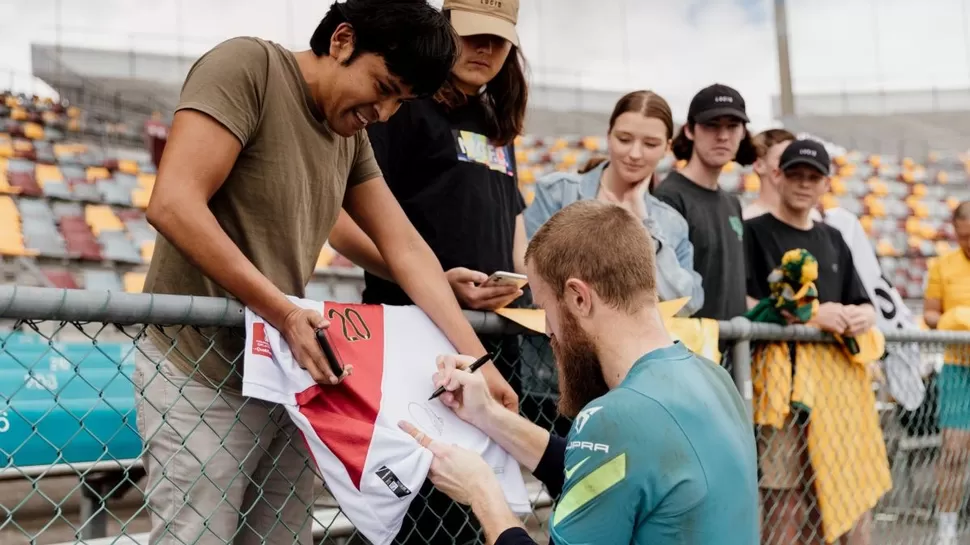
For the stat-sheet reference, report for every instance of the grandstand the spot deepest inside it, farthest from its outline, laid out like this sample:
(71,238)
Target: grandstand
(73,210)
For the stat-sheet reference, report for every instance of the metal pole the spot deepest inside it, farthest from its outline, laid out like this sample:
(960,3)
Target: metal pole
(784,60)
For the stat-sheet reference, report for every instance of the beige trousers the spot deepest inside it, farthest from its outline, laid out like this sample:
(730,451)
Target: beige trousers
(222,468)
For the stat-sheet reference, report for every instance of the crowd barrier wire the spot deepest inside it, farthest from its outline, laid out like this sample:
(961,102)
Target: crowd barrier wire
(67,411)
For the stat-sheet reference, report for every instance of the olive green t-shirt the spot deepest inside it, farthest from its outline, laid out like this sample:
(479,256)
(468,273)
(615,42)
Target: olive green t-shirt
(278,203)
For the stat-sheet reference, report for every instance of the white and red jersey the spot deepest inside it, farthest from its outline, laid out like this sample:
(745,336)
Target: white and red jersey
(372,467)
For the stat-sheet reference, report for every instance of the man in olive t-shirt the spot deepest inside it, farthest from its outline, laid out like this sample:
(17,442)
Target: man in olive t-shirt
(266,147)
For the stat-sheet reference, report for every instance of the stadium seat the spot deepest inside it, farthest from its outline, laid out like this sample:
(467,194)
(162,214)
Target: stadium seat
(325,258)
(134,282)
(116,246)
(97,172)
(147,250)
(61,278)
(101,218)
(20,174)
(102,280)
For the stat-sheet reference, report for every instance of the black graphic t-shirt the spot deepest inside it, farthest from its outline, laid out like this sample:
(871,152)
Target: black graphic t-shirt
(460,191)
(767,239)
(717,233)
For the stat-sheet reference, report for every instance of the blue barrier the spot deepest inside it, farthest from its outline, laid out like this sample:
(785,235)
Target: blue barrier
(65,402)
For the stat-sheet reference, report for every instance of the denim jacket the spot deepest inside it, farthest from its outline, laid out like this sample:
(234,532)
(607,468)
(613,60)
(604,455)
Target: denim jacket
(676,277)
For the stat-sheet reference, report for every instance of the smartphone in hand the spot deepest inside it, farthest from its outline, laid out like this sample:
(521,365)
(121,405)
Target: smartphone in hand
(502,278)
(335,364)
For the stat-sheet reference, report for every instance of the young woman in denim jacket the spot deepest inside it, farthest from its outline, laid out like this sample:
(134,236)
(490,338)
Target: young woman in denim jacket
(640,131)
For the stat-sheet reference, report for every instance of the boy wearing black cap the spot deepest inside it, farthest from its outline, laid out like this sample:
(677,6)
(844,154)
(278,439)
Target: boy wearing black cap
(845,309)
(714,135)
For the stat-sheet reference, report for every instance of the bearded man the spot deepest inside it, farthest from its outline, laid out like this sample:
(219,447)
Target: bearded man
(661,450)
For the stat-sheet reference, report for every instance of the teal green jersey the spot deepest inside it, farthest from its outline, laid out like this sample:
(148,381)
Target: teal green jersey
(668,457)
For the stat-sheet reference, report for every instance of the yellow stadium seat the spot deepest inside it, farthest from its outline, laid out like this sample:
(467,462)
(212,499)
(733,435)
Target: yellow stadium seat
(146,181)
(140,197)
(838,186)
(751,183)
(97,173)
(521,156)
(12,102)
(866,222)
(839,160)
(908,163)
(884,248)
(919,190)
(527,176)
(47,173)
(325,258)
(681,163)
(928,232)
(847,170)
(18,114)
(829,201)
(33,131)
(528,195)
(877,208)
(134,282)
(875,160)
(592,143)
(101,218)
(73,112)
(913,226)
(942,177)
(6,149)
(952,203)
(921,210)
(559,144)
(878,187)
(730,167)
(128,167)
(147,251)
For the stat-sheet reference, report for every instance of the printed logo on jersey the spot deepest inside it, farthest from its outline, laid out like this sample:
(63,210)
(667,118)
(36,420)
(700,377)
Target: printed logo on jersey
(475,148)
(358,330)
(261,346)
(588,445)
(737,226)
(570,471)
(392,482)
(583,417)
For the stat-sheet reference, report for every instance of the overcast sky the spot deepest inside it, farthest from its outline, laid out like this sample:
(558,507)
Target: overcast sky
(672,46)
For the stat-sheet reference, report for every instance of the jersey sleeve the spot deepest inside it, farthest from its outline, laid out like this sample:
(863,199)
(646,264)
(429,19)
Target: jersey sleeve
(624,453)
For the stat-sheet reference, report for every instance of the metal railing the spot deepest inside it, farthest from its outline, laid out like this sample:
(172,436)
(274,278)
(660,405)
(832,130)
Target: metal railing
(71,452)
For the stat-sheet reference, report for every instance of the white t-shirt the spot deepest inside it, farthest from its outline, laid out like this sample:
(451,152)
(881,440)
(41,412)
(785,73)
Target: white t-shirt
(371,466)
(903,370)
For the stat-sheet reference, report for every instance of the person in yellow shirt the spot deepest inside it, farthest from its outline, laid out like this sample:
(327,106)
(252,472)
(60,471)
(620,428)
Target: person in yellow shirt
(947,288)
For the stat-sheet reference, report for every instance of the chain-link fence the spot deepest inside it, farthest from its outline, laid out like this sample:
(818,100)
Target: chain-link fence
(843,446)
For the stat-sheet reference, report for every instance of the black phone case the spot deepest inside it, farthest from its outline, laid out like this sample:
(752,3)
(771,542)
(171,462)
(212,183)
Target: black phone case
(335,365)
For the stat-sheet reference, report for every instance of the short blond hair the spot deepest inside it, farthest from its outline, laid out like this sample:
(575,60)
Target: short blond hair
(601,244)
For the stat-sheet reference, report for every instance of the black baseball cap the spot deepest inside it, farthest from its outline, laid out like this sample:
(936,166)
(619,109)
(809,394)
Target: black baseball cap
(716,101)
(806,152)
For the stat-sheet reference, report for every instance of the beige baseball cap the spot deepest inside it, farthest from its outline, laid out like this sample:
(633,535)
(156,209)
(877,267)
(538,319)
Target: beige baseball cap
(496,17)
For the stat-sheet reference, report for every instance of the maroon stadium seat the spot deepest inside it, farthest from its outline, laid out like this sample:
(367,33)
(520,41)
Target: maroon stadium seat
(61,278)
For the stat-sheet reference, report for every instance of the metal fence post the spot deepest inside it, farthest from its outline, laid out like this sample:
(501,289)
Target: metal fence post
(741,359)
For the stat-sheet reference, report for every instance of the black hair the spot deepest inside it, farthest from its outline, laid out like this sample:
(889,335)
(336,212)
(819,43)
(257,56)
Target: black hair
(415,40)
(683,147)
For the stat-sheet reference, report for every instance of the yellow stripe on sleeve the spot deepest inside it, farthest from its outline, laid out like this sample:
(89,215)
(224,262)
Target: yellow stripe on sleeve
(591,486)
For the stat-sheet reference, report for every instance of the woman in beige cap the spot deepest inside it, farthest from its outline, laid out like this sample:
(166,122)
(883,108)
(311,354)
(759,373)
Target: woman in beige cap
(450,161)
